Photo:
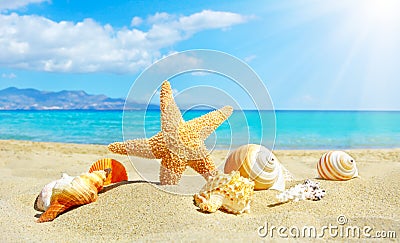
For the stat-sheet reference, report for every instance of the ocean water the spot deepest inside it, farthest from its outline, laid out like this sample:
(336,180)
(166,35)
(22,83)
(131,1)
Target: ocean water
(290,129)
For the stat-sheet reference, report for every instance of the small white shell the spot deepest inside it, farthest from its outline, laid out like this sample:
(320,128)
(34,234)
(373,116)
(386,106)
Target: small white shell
(231,192)
(337,165)
(309,190)
(259,164)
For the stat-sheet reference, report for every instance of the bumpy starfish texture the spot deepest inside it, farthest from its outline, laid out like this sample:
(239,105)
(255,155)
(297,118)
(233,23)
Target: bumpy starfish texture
(179,144)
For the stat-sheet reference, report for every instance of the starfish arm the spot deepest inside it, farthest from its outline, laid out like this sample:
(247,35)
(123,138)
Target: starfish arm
(206,124)
(171,169)
(188,142)
(170,114)
(171,119)
(137,147)
(204,167)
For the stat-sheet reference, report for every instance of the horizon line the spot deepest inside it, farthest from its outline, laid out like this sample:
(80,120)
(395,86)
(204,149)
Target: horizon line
(277,110)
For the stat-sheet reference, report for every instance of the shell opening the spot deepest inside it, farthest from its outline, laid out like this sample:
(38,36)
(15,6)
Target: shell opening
(108,171)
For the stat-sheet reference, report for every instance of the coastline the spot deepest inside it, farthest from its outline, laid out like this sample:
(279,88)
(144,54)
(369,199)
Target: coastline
(140,211)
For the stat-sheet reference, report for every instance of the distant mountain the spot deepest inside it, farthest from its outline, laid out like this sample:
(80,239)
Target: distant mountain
(31,99)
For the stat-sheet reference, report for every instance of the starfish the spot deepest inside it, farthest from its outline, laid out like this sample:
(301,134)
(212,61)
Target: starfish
(179,144)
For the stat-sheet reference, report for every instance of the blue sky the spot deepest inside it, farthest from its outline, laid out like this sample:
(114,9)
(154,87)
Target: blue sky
(309,54)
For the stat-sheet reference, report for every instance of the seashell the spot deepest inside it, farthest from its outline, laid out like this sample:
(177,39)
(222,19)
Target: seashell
(42,201)
(230,192)
(337,165)
(259,164)
(118,172)
(308,190)
(68,193)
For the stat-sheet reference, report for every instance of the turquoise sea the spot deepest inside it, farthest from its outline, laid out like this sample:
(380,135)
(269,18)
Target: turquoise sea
(293,129)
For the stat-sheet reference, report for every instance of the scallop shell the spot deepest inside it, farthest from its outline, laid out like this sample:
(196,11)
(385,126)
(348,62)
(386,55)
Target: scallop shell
(230,192)
(118,172)
(337,165)
(67,193)
(259,164)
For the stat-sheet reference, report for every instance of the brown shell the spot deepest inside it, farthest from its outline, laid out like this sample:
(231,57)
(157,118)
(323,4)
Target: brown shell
(82,190)
(118,171)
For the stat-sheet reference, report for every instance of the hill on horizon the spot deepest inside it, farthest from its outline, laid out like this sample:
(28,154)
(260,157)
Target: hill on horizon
(13,98)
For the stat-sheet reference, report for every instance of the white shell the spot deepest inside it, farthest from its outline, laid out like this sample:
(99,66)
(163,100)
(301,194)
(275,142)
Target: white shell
(42,202)
(337,165)
(309,190)
(259,164)
(230,192)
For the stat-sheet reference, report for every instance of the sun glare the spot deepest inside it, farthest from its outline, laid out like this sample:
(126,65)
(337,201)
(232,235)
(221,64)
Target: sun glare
(380,11)
(363,46)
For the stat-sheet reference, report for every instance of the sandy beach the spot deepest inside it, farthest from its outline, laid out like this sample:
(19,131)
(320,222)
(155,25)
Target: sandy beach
(137,210)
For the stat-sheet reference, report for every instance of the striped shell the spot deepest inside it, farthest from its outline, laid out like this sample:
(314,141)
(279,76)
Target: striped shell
(118,172)
(337,165)
(259,164)
(230,192)
(68,193)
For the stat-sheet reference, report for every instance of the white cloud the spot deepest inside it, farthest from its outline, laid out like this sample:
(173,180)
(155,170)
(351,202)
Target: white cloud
(136,21)
(210,19)
(8,75)
(178,64)
(160,17)
(37,43)
(15,4)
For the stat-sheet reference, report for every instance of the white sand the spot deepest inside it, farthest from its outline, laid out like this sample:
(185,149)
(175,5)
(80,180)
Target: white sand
(139,211)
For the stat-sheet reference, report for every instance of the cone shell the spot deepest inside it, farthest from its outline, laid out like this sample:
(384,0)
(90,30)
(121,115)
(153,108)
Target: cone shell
(118,171)
(259,164)
(337,165)
(66,194)
(230,192)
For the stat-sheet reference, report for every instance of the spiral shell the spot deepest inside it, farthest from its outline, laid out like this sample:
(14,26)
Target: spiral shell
(118,172)
(67,193)
(42,202)
(259,164)
(337,165)
(230,192)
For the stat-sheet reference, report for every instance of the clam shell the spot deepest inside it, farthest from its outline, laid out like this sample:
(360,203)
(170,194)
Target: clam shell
(337,165)
(118,171)
(66,194)
(230,192)
(259,164)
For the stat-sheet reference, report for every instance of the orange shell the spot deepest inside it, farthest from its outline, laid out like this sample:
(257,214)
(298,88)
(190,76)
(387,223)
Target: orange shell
(82,190)
(118,172)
